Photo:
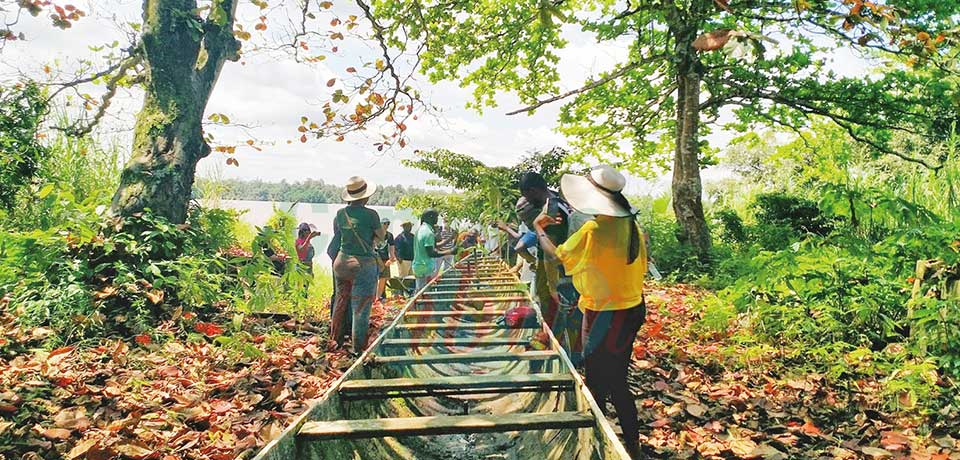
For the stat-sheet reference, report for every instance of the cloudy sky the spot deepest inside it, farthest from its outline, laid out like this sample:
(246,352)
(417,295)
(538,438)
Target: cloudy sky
(268,93)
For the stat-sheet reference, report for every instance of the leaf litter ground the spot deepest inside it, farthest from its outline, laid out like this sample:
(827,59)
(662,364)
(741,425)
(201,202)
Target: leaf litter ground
(180,399)
(693,404)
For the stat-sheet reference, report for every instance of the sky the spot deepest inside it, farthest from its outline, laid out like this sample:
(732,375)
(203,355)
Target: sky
(268,94)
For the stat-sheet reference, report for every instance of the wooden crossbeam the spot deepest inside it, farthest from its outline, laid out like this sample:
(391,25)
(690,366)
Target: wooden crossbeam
(456,342)
(466,358)
(457,383)
(481,278)
(448,313)
(442,326)
(473,292)
(474,299)
(440,425)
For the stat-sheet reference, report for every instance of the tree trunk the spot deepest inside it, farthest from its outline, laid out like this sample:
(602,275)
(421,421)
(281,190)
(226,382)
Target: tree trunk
(687,186)
(184,55)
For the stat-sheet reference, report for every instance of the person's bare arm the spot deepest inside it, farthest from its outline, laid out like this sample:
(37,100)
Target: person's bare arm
(508,229)
(546,245)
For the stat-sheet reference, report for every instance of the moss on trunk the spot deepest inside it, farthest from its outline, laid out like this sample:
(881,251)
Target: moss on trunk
(168,137)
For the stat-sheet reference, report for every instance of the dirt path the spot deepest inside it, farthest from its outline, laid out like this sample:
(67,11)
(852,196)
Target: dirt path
(695,403)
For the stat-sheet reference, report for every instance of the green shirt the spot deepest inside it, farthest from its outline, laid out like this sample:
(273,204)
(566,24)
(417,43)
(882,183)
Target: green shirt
(357,226)
(423,264)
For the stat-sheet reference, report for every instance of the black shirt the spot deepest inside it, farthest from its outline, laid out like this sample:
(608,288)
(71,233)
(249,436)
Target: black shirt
(384,247)
(404,243)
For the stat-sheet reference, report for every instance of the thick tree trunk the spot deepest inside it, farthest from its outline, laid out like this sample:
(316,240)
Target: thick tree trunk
(687,186)
(184,55)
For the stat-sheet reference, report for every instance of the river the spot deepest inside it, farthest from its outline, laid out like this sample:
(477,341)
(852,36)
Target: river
(258,212)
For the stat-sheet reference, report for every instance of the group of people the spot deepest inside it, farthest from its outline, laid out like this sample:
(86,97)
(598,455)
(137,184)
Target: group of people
(363,250)
(590,263)
(589,268)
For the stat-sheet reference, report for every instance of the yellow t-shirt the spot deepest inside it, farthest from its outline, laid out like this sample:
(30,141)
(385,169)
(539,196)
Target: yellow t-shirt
(596,257)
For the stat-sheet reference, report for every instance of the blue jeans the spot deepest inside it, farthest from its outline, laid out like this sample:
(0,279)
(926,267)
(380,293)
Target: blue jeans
(356,288)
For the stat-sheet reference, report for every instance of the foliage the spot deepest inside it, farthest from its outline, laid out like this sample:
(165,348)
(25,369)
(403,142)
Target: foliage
(21,110)
(489,192)
(692,59)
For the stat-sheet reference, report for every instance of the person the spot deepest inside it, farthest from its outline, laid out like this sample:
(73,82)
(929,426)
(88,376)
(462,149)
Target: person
(387,255)
(425,250)
(448,238)
(404,248)
(333,248)
(607,259)
(264,244)
(305,251)
(535,195)
(356,265)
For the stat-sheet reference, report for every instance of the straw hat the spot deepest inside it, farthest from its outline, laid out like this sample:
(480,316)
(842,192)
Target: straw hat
(593,194)
(357,189)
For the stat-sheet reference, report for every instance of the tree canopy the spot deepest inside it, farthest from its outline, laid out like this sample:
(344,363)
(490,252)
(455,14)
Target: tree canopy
(713,64)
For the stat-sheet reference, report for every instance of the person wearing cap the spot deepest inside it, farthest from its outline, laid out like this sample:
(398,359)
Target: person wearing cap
(404,248)
(607,259)
(425,253)
(386,252)
(355,268)
(305,251)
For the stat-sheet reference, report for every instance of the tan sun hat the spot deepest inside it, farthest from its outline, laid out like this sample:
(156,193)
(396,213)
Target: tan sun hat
(357,189)
(594,193)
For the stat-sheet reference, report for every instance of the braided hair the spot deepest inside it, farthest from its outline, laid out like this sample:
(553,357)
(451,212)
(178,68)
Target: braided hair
(633,251)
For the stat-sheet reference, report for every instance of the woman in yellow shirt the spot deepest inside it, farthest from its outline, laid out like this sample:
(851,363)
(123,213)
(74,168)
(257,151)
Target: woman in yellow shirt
(607,259)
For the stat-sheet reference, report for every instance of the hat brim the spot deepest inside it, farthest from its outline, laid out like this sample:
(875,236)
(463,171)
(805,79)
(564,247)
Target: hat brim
(367,193)
(588,199)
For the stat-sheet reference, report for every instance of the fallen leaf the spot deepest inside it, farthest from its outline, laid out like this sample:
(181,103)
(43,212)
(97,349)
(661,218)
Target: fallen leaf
(55,433)
(876,452)
(81,448)
(696,410)
(133,451)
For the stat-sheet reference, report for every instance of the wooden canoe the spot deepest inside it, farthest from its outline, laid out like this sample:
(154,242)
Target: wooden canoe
(448,380)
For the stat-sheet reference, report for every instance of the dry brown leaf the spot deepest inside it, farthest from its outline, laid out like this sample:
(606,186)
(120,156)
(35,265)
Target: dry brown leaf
(81,448)
(876,452)
(55,433)
(72,418)
(133,451)
(712,41)
(696,410)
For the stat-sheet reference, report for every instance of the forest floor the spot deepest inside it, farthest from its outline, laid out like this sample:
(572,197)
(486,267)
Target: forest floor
(209,394)
(693,404)
(213,394)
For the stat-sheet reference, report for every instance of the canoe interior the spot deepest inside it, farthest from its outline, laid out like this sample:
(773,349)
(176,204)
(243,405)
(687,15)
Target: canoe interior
(595,442)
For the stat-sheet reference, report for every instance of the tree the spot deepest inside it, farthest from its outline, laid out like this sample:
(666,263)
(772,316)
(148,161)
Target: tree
(177,56)
(488,192)
(21,109)
(673,65)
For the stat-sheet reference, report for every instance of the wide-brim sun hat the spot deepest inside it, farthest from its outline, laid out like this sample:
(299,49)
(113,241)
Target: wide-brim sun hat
(594,193)
(357,189)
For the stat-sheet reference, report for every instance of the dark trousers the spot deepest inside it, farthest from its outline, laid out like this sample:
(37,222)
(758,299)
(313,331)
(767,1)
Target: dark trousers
(608,345)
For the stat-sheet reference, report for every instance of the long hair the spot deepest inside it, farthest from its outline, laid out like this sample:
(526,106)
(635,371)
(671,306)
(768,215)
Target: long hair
(633,251)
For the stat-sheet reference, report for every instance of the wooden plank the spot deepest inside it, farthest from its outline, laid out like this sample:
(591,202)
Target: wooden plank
(466,358)
(476,278)
(474,291)
(457,342)
(442,326)
(439,314)
(420,315)
(473,299)
(441,425)
(460,382)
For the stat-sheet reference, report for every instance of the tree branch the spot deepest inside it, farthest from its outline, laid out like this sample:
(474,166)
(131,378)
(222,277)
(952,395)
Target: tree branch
(593,84)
